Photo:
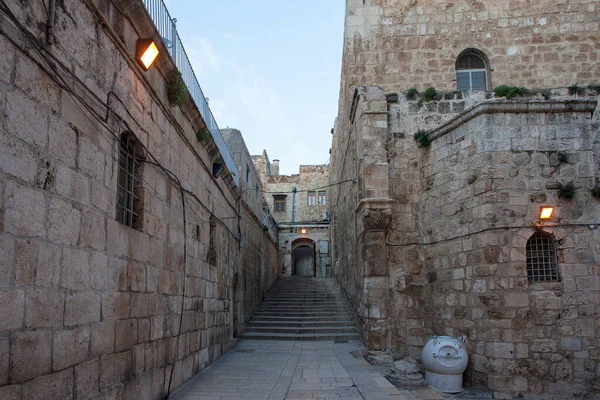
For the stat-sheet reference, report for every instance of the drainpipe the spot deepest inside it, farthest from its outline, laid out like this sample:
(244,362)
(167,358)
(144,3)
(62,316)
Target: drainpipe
(293,204)
(50,25)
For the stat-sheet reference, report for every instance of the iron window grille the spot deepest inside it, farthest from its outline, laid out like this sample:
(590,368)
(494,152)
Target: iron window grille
(542,258)
(128,183)
(312,198)
(212,245)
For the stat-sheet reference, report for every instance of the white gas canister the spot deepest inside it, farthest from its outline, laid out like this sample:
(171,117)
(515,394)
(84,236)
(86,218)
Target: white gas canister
(445,359)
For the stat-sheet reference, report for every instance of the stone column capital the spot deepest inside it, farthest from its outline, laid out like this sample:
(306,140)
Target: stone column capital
(374,214)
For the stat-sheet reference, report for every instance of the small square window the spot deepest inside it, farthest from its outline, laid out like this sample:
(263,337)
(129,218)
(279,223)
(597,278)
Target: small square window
(279,203)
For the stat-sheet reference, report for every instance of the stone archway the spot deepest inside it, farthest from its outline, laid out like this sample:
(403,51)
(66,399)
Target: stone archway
(303,257)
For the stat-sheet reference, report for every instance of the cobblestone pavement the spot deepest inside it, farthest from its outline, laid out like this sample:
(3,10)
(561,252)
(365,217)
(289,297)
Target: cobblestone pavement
(276,370)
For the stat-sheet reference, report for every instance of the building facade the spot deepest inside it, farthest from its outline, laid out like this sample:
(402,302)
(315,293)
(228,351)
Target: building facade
(300,205)
(441,235)
(129,257)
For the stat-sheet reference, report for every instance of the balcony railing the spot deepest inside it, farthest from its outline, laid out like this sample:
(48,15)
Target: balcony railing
(167,30)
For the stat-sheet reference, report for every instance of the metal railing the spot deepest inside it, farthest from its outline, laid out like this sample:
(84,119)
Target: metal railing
(167,30)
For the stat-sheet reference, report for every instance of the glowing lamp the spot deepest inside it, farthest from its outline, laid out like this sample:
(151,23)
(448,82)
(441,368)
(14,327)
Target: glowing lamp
(303,231)
(145,53)
(546,212)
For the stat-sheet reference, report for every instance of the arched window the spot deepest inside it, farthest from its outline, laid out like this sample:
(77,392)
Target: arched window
(542,259)
(472,71)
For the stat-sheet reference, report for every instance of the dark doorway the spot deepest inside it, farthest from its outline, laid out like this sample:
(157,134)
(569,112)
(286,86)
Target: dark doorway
(304,261)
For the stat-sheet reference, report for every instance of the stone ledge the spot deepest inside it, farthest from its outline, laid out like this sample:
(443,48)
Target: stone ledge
(514,107)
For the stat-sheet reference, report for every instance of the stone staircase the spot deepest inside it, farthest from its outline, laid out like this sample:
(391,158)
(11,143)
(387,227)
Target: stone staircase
(303,308)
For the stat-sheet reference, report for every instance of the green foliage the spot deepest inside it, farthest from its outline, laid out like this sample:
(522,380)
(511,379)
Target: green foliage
(422,136)
(420,103)
(509,91)
(202,134)
(429,93)
(574,89)
(176,92)
(566,191)
(596,191)
(562,157)
(411,93)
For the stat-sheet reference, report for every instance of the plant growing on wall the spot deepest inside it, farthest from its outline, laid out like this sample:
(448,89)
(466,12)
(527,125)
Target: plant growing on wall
(411,93)
(596,189)
(202,134)
(176,92)
(422,137)
(574,89)
(509,91)
(429,93)
(566,191)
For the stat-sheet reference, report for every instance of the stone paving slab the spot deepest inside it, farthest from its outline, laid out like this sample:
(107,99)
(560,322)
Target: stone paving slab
(278,370)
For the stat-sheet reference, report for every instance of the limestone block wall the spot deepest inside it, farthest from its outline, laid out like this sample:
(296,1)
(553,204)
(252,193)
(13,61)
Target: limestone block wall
(399,44)
(92,308)
(297,208)
(454,223)
(481,186)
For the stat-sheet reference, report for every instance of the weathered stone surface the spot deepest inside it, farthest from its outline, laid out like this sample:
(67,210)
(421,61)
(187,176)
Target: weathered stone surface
(44,309)
(17,159)
(406,374)
(30,355)
(48,265)
(57,386)
(64,222)
(82,308)
(26,254)
(75,269)
(4,358)
(115,369)
(103,339)
(126,334)
(24,211)
(379,357)
(12,309)
(87,377)
(70,348)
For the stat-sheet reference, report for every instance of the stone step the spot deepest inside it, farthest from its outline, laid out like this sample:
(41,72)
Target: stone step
(302,324)
(303,308)
(292,329)
(299,336)
(285,318)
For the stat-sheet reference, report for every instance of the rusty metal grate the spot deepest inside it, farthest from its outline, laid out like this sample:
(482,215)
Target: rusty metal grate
(126,179)
(542,259)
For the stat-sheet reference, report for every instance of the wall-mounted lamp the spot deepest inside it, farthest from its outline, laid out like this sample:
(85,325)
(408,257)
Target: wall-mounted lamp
(217,169)
(546,212)
(303,231)
(145,53)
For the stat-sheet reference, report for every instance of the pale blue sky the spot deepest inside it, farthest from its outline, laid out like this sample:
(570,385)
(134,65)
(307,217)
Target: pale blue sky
(270,68)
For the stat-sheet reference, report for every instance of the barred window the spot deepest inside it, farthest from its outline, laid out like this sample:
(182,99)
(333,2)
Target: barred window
(212,245)
(129,192)
(542,259)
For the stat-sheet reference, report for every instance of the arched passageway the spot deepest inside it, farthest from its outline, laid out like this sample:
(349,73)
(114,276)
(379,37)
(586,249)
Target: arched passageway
(303,257)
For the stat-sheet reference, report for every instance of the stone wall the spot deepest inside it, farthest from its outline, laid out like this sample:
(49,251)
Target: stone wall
(91,308)
(453,219)
(298,213)
(399,44)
